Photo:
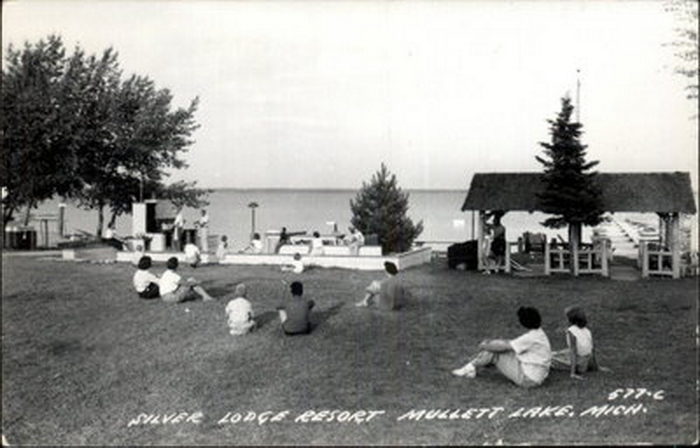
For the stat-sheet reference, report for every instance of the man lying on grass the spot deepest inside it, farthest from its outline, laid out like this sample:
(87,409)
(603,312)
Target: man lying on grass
(524,360)
(174,290)
(389,293)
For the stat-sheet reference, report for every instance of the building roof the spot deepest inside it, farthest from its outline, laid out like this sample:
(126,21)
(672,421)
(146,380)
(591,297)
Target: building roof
(622,192)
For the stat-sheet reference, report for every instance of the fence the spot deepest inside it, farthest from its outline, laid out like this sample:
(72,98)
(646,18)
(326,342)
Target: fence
(588,260)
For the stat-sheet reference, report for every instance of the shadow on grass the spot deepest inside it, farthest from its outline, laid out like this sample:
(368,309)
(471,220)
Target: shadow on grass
(265,318)
(320,317)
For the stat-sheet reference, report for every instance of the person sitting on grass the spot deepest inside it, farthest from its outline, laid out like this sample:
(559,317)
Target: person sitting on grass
(174,290)
(192,255)
(222,248)
(579,357)
(146,283)
(255,246)
(240,313)
(294,311)
(524,360)
(389,293)
(296,265)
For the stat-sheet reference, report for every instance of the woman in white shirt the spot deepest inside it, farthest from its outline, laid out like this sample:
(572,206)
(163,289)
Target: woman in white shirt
(146,283)
(579,356)
(174,290)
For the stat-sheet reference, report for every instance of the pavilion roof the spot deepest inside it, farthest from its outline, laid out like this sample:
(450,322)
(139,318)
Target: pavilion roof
(661,192)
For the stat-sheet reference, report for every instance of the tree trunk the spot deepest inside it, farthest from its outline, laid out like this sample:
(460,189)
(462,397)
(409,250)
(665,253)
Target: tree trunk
(574,242)
(100,219)
(27,214)
(112,220)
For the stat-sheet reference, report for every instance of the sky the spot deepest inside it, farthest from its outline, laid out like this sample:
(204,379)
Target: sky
(317,94)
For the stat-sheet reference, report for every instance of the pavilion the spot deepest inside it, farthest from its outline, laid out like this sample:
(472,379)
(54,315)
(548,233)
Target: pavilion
(668,194)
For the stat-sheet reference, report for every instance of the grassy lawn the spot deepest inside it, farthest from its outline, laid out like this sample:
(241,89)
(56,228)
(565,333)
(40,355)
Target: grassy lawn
(83,356)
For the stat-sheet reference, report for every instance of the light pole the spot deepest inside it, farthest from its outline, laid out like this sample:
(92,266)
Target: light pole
(253,205)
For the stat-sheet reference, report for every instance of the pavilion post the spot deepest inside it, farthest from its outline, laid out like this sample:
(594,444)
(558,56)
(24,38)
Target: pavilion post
(645,259)
(674,242)
(547,258)
(604,260)
(480,239)
(507,267)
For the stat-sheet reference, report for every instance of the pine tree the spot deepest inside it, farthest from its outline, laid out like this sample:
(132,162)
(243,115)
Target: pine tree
(381,208)
(571,193)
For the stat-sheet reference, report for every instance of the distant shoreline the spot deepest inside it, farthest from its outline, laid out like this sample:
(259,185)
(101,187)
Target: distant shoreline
(332,190)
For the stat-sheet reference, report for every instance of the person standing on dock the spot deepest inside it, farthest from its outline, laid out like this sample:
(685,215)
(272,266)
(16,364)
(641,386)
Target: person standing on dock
(284,239)
(203,225)
(355,240)
(178,225)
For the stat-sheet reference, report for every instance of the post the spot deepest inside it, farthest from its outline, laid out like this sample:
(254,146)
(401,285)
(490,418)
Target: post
(253,205)
(604,260)
(472,224)
(675,245)
(507,258)
(547,261)
(61,219)
(480,240)
(645,259)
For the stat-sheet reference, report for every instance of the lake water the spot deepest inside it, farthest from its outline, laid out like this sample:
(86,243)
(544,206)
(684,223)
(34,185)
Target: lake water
(310,210)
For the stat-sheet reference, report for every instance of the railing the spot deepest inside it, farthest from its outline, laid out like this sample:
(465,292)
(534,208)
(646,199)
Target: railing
(556,259)
(657,260)
(589,260)
(593,260)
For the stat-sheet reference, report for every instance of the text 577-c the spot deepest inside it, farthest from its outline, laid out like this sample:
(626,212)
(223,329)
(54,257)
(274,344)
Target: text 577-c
(635,393)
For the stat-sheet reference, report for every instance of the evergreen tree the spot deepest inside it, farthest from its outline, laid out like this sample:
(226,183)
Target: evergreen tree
(380,208)
(571,193)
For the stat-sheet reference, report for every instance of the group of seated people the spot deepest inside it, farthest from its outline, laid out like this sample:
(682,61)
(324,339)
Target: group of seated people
(169,286)
(354,240)
(294,313)
(525,360)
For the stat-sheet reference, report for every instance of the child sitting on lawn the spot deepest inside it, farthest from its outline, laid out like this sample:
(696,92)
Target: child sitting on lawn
(388,293)
(579,357)
(145,282)
(174,290)
(255,246)
(240,313)
(294,312)
(192,255)
(296,265)
(524,360)
(222,249)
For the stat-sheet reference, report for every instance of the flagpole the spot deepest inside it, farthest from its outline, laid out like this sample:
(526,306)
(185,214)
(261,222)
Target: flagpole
(578,95)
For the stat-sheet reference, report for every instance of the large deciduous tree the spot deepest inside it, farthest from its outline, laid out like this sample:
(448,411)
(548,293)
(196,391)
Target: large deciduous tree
(571,193)
(35,144)
(72,127)
(380,208)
